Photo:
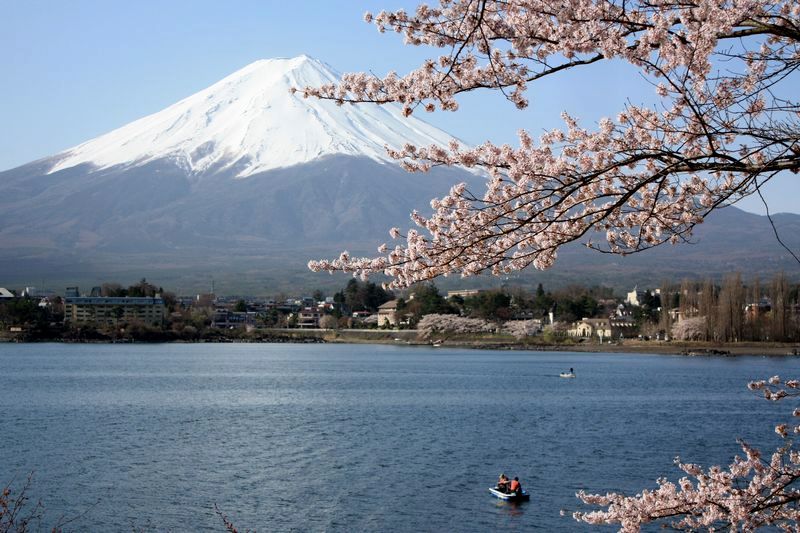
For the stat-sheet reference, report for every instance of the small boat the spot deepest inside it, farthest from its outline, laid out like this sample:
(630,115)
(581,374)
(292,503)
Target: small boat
(567,374)
(510,496)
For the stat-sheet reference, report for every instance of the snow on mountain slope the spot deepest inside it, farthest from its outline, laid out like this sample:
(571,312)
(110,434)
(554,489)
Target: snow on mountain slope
(252,122)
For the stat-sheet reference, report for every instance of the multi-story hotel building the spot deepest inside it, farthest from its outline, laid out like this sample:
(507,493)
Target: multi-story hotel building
(111,310)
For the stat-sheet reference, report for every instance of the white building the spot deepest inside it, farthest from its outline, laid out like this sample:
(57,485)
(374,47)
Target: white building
(387,313)
(636,296)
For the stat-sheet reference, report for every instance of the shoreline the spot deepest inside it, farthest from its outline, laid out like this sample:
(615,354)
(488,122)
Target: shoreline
(410,338)
(685,348)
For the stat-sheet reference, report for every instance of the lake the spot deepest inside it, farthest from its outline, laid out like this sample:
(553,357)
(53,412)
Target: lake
(359,437)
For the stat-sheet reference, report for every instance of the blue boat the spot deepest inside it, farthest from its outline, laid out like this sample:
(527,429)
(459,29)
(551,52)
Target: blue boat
(511,496)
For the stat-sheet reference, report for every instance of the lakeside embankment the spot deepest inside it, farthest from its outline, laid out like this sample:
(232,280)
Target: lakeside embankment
(480,342)
(506,342)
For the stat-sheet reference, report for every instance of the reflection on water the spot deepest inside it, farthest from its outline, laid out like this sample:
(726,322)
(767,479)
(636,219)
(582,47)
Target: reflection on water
(512,508)
(359,438)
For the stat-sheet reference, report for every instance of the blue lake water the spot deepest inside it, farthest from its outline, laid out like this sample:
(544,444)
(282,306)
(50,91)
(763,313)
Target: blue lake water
(358,437)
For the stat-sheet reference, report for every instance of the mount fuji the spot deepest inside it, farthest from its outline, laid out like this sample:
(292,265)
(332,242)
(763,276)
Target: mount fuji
(242,176)
(250,122)
(245,181)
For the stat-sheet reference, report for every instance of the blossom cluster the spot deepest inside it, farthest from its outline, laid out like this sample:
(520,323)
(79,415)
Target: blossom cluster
(774,389)
(442,323)
(754,491)
(689,329)
(522,328)
(638,180)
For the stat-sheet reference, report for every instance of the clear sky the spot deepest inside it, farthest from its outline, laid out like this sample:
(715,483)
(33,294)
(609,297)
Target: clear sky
(74,70)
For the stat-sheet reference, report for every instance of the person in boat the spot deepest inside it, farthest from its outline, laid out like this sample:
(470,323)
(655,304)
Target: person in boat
(502,483)
(515,486)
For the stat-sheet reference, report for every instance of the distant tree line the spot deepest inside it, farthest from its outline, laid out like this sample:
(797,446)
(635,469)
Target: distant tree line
(733,310)
(34,320)
(361,296)
(727,311)
(138,290)
(567,304)
(730,311)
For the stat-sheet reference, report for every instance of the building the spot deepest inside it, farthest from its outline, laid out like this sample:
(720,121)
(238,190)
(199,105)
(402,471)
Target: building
(33,292)
(637,296)
(227,319)
(6,294)
(387,313)
(756,309)
(112,310)
(464,293)
(603,328)
(205,300)
(308,317)
(591,327)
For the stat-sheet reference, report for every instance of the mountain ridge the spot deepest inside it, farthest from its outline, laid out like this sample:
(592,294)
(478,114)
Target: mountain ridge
(73,218)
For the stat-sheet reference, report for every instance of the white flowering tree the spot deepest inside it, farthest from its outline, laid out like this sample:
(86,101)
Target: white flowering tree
(521,329)
(725,72)
(754,491)
(447,323)
(689,329)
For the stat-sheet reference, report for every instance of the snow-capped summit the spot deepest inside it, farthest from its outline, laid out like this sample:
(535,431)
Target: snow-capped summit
(242,175)
(251,122)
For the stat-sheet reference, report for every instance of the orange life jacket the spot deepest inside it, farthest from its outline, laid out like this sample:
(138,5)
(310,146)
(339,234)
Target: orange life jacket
(514,486)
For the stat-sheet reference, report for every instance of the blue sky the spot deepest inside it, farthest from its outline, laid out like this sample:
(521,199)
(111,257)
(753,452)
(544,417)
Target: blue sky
(75,70)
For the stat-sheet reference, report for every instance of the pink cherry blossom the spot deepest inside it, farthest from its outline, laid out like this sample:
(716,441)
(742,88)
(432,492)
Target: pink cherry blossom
(728,120)
(751,493)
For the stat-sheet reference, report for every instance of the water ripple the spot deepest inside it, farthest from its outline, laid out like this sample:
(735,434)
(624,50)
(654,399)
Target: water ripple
(357,438)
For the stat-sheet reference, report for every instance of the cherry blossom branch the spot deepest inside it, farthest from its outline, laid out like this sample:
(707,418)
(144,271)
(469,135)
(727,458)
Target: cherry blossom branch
(752,492)
(772,223)
(643,180)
